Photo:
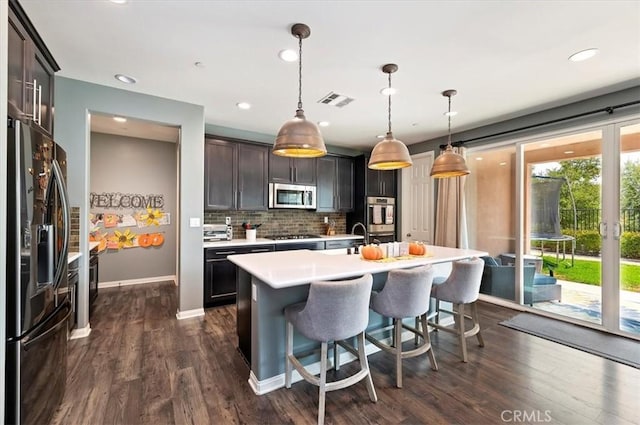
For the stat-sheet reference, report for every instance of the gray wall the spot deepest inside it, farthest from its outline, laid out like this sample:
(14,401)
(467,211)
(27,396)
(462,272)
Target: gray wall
(569,109)
(4,19)
(131,165)
(75,100)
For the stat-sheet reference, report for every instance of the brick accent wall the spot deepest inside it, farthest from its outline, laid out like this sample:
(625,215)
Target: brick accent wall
(278,222)
(74,235)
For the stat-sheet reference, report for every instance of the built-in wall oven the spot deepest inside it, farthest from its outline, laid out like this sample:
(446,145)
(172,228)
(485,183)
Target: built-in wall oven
(381,213)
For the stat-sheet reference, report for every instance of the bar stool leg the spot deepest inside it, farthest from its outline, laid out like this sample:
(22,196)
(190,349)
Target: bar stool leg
(364,364)
(427,340)
(397,327)
(463,340)
(417,326)
(323,382)
(476,322)
(288,366)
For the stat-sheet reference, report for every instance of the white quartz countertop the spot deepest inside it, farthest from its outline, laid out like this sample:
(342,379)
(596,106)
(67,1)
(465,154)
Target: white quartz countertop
(263,241)
(73,256)
(283,269)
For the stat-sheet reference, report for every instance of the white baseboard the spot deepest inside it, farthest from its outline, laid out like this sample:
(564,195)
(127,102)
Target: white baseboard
(187,314)
(140,281)
(80,332)
(276,382)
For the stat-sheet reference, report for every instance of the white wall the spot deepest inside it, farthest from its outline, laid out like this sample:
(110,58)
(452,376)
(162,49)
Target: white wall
(74,101)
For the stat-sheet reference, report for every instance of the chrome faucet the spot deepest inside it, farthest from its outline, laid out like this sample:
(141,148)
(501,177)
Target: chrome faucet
(364,229)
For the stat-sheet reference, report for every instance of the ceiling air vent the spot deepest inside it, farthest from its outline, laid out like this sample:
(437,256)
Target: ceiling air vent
(335,99)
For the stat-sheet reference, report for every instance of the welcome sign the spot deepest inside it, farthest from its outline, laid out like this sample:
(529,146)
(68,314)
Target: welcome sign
(117,200)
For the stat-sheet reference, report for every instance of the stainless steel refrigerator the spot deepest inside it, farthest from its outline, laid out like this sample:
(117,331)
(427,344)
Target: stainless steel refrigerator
(38,303)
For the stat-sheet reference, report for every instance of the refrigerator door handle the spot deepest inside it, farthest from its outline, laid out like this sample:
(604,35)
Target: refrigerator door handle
(64,199)
(28,341)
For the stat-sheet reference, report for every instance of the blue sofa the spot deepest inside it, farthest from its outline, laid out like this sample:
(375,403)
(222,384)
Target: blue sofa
(499,281)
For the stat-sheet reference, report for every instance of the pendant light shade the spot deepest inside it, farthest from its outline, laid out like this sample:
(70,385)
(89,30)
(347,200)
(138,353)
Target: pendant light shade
(298,137)
(449,163)
(390,153)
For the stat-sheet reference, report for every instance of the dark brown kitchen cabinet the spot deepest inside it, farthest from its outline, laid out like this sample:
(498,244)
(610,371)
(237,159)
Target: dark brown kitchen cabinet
(381,183)
(292,170)
(235,175)
(220,273)
(30,72)
(334,184)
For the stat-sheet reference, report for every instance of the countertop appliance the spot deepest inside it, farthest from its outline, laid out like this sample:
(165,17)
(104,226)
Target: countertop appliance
(292,196)
(38,300)
(217,232)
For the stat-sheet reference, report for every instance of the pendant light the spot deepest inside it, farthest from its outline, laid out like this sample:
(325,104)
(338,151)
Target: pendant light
(449,163)
(298,137)
(390,153)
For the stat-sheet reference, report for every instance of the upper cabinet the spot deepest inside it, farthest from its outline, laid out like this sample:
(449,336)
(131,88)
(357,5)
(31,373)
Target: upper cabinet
(235,175)
(30,73)
(335,184)
(381,183)
(292,170)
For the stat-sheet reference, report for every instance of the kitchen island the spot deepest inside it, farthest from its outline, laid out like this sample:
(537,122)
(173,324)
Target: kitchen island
(268,282)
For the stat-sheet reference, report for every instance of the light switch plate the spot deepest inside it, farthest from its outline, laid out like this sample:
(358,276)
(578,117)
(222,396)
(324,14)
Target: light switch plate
(194,221)
(254,292)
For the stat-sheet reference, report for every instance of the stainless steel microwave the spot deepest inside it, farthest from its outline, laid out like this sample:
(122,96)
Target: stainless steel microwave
(292,196)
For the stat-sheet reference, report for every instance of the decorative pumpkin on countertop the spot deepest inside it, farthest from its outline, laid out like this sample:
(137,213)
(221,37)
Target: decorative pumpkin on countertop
(417,248)
(371,252)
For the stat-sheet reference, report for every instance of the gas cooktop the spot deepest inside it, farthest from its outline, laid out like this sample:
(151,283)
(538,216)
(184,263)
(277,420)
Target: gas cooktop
(290,237)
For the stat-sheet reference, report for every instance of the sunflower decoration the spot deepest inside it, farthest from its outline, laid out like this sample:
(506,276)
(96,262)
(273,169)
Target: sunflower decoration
(123,239)
(152,217)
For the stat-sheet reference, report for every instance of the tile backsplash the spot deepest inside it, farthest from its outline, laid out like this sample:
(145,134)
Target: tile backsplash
(279,222)
(74,234)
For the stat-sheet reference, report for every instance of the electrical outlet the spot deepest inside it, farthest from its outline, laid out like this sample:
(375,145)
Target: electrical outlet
(326,220)
(227,220)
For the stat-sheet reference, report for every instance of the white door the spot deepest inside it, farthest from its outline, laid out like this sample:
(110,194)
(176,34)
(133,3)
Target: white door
(417,200)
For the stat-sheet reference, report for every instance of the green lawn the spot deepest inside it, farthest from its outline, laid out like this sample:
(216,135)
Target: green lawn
(586,271)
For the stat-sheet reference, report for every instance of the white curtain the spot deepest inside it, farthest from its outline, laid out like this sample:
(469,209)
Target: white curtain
(451,215)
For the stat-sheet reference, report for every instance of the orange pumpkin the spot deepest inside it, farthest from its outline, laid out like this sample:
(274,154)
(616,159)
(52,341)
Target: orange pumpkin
(417,248)
(371,252)
(157,239)
(144,240)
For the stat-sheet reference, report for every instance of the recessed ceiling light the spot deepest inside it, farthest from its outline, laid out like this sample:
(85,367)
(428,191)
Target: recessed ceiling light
(243,105)
(583,55)
(388,91)
(568,152)
(120,119)
(503,163)
(380,136)
(324,123)
(125,79)
(118,1)
(450,114)
(288,55)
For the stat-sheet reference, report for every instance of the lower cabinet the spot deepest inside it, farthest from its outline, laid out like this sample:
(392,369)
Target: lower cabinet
(220,273)
(93,278)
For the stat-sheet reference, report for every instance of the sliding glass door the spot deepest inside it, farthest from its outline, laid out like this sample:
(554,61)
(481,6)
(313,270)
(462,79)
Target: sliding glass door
(560,217)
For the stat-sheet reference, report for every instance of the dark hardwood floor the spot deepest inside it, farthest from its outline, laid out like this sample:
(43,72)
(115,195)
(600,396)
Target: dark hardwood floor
(142,366)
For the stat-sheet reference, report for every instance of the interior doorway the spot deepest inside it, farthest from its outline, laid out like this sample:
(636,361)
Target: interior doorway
(134,213)
(418,200)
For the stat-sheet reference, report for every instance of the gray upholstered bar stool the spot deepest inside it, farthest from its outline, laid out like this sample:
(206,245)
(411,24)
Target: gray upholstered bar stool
(406,293)
(461,288)
(334,311)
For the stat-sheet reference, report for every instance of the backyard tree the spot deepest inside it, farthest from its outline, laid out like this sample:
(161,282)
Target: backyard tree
(584,177)
(630,185)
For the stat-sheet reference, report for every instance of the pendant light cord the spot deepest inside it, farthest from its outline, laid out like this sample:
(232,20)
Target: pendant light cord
(389,108)
(449,127)
(299,72)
